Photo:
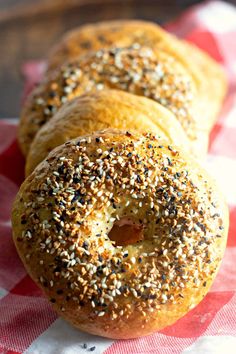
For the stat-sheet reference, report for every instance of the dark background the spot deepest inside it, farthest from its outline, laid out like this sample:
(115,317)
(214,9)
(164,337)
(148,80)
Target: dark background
(28,28)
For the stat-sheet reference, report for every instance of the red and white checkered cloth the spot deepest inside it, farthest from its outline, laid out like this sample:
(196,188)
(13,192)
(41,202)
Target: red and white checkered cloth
(27,322)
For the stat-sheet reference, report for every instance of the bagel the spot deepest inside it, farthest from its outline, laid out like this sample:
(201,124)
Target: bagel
(99,110)
(106,34)
(122,232)
(208,75)
(140,71)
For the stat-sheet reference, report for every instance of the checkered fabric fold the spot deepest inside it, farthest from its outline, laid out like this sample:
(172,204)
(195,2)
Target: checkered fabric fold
(27,322)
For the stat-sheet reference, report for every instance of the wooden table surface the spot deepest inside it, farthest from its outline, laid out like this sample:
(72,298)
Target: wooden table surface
(28,29)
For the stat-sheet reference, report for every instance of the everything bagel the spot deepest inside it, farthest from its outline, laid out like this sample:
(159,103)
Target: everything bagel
(205,71)
(137,70)
(122,232)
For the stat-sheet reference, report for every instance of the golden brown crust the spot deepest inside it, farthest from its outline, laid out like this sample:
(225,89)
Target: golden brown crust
(65,209)
(141,71)
(208,75)
(99,110)
(212,82)
(96,36)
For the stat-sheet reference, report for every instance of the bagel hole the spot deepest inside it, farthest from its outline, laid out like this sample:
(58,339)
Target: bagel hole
(126,232)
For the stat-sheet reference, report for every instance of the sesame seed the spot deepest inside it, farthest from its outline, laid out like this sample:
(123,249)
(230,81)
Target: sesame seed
(133,260)
(100,314)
